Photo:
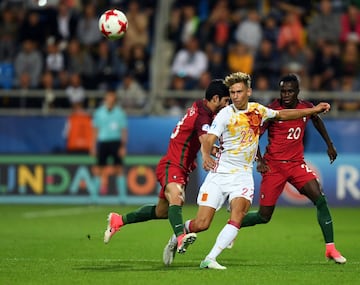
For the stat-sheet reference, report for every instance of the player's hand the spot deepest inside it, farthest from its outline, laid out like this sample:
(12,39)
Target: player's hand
(332,153)
(93,151)
(261,165)
(322,107)
(208,163)
(122,151)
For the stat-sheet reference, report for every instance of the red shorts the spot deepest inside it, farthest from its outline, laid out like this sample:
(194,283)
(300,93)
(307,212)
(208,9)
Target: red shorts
(273,182)
(167,173)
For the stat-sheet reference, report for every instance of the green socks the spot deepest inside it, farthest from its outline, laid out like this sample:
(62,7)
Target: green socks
(324,219)
(145,213)
(252,218)
(176,220)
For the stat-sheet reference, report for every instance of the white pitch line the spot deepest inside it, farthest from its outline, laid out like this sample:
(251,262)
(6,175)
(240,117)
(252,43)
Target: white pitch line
(61,212)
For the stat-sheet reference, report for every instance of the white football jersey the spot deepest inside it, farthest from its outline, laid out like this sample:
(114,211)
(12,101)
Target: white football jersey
(238,132)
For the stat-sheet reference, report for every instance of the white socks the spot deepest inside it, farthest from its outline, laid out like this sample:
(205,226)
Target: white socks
(224,238)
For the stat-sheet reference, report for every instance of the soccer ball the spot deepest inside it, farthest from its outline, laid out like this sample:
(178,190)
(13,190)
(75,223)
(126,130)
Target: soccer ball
(113,24)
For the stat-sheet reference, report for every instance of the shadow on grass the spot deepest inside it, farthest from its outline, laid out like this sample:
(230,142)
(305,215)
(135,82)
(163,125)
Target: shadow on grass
(134,266)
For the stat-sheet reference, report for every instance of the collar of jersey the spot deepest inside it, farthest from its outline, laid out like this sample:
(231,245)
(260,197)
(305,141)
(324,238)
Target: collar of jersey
(236,110)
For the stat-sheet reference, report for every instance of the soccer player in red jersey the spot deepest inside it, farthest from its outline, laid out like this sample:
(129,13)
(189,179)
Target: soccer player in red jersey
(284,162)
(174,168)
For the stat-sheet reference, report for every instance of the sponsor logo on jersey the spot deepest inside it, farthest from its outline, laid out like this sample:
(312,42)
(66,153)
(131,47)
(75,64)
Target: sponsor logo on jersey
(205,127)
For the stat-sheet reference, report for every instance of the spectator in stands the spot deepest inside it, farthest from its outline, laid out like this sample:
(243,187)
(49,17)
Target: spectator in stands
(190,62)
(173,28)
(88,26)
(218,67)
(326,67)
(350,24)
(270,29)
(54,58)
(189,23)
(47,85)
(138,64)
(75,91)
(350,58)
(349,83)
(78,60)
(249,31)
(33,29)
(300,8)
(294,59)
(216,32)
(131,94)
(240,59)
(108,68)
(63,80)
(267,62)
(176,106)
(138,30)
(63,24)
(324,25)
(262,84)
(291,31)
(29,62)
(204,81)
(8,36)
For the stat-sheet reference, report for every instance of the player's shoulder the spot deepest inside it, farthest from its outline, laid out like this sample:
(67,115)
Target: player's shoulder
(255,105)
(275,104)
(304,104)
(226,110)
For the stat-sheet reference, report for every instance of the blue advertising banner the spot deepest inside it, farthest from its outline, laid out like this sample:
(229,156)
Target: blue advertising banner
(72,180)
(340,181)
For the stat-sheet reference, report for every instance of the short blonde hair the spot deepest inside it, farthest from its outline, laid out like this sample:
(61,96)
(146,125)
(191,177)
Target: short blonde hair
(238,77)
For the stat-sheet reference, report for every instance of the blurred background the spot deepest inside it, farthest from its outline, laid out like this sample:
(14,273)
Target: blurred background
(53,61)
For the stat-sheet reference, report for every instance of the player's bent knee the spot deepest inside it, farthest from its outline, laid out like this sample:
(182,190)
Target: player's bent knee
(200,225)
(264,219)
(161,215)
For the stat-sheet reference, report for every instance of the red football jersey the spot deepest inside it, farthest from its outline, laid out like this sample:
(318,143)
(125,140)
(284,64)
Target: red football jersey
(285,138)
(184,141)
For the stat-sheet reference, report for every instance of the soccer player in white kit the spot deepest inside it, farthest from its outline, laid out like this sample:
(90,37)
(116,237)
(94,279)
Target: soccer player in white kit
(237,128)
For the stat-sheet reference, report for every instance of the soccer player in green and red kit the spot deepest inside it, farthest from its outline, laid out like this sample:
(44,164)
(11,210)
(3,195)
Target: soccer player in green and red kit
(174,168)
(284,162)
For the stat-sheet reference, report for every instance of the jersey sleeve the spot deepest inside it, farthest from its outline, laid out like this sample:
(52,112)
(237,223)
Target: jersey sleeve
(267,113)
(202,125)
(218,126)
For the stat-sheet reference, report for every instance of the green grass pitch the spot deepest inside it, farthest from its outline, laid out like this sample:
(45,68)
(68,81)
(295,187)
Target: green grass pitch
(63,245)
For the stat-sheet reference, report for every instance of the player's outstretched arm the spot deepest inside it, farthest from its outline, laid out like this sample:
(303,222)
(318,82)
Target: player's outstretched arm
(291,114)
(320,127)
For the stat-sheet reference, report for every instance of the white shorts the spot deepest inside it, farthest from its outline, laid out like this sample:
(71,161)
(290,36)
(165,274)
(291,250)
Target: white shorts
(218,187)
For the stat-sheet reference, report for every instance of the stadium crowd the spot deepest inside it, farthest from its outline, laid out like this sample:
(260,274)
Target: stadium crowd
(58,46)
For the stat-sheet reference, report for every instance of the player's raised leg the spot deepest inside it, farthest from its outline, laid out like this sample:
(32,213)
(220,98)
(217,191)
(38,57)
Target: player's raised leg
(144,213)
